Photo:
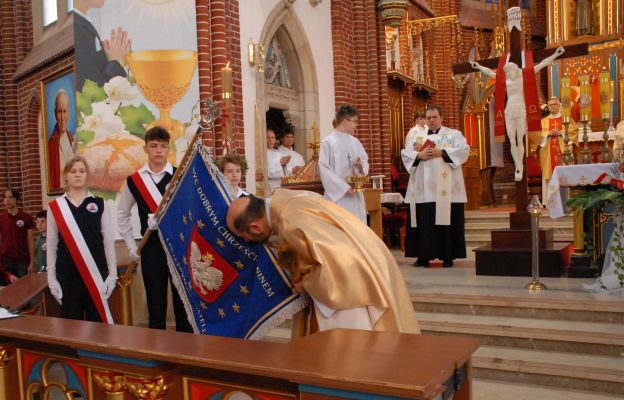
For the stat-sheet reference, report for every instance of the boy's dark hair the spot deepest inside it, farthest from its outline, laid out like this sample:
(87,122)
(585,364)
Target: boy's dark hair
(253,212)
(157,133)
(14,192)
(434,107)
(346,111)
(41,214)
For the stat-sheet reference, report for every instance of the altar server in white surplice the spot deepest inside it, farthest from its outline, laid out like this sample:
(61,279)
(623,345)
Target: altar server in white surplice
(342,155)
(276,162)
(420,125)
(286,149)
(436,192)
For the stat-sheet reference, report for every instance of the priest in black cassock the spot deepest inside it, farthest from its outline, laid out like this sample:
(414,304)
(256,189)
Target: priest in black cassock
(436,192)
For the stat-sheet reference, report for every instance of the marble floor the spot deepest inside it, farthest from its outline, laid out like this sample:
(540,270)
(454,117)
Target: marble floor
(461,279)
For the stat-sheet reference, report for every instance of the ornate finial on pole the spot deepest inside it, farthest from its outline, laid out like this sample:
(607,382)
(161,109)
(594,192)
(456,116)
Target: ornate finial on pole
(206,121)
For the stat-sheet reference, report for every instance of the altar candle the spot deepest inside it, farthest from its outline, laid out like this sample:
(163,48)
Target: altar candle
(566,104)
(605,89)
(585,98)
(260,151)
(226,81)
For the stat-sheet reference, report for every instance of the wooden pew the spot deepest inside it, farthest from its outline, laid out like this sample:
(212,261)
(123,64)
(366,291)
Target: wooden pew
(116,361)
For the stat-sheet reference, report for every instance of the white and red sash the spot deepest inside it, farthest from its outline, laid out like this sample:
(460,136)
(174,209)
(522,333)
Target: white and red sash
(148,190)
(71,234)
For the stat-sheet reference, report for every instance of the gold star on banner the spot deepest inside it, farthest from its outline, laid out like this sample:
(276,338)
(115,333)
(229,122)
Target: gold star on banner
(181,236)
(236,308)
(239,264)
(184,220)
(203,305)
(220,243)
(244,290)
(200,224)
(190,215)
(221,313)
(184,260)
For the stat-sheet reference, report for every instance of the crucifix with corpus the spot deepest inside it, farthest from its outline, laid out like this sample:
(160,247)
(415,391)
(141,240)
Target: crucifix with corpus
(515,79)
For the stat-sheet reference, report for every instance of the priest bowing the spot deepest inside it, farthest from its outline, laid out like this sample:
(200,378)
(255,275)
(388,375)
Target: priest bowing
(436,192)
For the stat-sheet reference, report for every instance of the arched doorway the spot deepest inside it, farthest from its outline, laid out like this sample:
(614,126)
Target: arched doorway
(289,82)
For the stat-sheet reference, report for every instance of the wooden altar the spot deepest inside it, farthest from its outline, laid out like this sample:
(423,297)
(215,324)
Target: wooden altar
(122,362)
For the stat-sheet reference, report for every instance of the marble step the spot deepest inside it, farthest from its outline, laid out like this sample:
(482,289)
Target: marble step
(474,227)
(503,305)
(603,374)
(489,389)
(482,238)
(597,338)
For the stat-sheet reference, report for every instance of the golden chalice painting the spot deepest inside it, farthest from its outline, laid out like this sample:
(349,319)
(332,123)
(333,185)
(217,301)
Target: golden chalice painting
(164,76)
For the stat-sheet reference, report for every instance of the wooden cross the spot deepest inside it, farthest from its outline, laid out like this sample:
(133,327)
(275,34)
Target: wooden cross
(515,43)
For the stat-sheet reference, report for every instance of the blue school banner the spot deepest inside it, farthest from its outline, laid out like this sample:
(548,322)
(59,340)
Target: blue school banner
(229,287)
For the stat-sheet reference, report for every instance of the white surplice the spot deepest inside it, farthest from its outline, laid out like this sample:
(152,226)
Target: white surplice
(414,130)
(275,171)
(296,160)
(336,159)
(424,178)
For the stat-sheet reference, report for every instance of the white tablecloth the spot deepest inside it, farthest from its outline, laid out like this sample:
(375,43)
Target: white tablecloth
(567,176)
(393,198)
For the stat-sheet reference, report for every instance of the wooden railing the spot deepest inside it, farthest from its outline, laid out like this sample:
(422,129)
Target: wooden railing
(100,361)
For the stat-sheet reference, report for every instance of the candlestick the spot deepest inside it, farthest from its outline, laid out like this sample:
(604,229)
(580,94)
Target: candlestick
(226,84)
(260,152)
(585,98)
(566,103)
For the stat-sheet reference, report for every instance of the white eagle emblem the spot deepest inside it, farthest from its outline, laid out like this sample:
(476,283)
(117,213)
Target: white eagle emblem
(205,277)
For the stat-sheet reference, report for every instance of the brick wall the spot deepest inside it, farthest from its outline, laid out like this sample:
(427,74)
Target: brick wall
(19,134)
(358,39)
(218,37)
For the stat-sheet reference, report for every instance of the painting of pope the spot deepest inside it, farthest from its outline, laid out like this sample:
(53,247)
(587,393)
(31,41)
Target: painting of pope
(59,110)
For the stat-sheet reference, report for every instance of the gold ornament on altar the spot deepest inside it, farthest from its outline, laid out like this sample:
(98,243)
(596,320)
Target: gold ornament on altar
(358,182)
(163,77)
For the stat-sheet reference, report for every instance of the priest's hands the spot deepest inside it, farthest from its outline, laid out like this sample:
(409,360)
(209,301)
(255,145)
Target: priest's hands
(429,153)
(298,286)
(284,160)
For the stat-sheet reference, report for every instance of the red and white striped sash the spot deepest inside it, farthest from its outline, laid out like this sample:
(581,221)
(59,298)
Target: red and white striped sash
(71,234)
(148,190)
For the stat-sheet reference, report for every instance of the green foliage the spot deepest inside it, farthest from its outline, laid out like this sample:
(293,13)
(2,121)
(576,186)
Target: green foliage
(91,93)
(595,198)
(85,137)
(135,118)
